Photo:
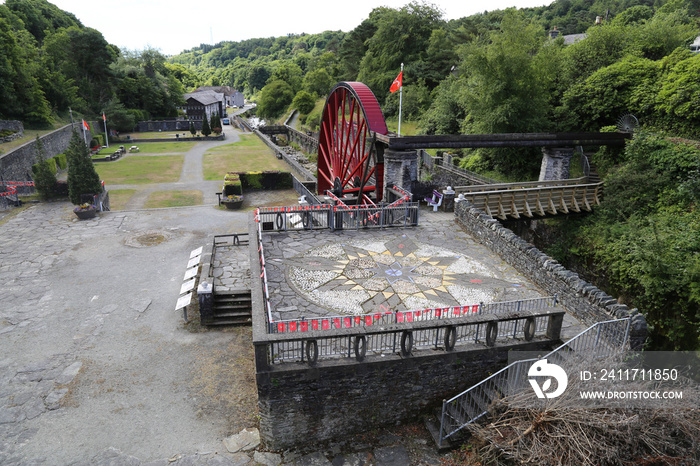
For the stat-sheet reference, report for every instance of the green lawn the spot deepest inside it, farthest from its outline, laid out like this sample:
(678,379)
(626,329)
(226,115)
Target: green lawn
(408,128)
(138,169)
(159,147)
(249,154)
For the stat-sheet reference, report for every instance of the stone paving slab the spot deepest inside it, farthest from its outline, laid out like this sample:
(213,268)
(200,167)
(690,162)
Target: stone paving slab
(321,273)
(93,356)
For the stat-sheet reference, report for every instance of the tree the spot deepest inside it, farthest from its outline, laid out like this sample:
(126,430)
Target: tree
(274,98)
(206,129)
(304,102)
(82,177)
(44,178)
(193,130)
(119,118)
(402,36)
(627,86)
(507,90)
(318,82)
(216,123)
(290,73)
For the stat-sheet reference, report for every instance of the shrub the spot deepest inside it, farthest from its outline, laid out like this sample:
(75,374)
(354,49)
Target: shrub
(44,172)
(61,161)
(266,180)
(232,184)
(51,163)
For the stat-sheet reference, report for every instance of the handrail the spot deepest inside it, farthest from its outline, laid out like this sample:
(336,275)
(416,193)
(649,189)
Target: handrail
(517,186)
(391,317)
(499,381)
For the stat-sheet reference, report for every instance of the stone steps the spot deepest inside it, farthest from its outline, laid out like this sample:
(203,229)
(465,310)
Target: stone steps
(232,307)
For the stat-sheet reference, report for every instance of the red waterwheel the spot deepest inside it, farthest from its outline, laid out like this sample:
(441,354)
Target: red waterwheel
(347,161)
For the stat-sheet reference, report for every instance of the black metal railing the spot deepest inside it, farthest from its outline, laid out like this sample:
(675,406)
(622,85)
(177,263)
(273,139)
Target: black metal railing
(308,346)
(325,216)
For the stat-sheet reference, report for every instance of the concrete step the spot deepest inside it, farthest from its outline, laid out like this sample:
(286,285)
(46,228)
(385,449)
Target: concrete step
(432,423)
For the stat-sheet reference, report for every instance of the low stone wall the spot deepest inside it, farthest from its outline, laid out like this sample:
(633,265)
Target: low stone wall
(582,299)
(301,171)
(17,164)
(168,125)
(12,125)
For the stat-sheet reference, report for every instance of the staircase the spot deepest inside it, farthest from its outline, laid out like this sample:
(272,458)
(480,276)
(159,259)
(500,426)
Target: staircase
(231,307)
(447,425)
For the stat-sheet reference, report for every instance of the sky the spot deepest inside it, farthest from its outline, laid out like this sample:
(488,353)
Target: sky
(172,26)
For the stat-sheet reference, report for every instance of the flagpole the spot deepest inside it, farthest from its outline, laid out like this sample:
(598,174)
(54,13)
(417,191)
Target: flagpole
(400,101)
(84,137)
(104,118)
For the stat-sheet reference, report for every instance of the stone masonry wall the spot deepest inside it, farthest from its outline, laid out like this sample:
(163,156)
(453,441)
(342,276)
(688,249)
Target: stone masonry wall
(299,404)
(17,164)
(12,125)
(582,299)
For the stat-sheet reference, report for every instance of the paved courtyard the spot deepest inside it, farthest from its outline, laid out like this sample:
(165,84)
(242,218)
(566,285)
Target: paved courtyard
(93,355)
(319,273)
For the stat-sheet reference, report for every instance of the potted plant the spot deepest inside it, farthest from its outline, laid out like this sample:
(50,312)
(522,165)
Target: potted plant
(232,201)
(85,211)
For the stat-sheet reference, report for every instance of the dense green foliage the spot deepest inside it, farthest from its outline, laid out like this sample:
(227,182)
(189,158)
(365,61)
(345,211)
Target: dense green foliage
(50,62)
(643,242)
(44,172)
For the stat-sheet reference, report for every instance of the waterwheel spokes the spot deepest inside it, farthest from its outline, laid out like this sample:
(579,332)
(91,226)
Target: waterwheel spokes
(347,162)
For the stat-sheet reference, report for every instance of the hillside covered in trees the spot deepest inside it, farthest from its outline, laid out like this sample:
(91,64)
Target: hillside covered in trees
(494,72)
(50,62)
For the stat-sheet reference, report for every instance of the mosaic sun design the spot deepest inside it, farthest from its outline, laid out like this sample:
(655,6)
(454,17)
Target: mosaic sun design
(362,277)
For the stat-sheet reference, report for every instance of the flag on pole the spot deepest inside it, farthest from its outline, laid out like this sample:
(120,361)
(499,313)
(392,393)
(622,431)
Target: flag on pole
(86,127)
(104,118)
(398,82)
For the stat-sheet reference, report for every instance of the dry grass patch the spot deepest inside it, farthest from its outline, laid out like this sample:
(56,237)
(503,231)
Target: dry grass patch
(118,198)
(174,199)
(225,381)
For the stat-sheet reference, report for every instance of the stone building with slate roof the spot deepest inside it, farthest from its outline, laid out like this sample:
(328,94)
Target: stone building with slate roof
(204,103)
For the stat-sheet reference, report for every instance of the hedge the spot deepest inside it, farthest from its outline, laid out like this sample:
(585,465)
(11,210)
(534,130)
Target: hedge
(52,166)
(61,161)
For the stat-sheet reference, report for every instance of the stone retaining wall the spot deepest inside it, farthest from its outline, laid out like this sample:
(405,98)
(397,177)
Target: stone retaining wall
(12,125)
(300,404)
(17,164)
(301,171)
(585,301)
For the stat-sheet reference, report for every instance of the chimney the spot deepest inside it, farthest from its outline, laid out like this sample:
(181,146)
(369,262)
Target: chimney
(554,33)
